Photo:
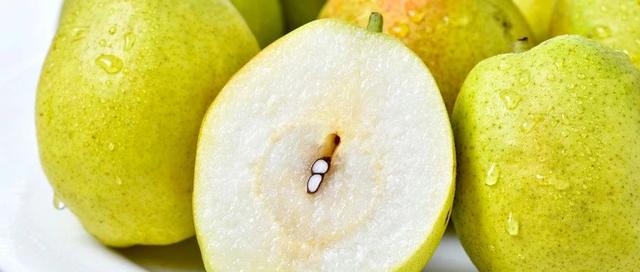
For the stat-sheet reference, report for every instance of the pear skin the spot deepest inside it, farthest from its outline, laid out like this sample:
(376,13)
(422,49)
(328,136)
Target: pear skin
(548,148)
(119,104)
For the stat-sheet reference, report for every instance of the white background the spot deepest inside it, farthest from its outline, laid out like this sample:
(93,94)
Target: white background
(33,235)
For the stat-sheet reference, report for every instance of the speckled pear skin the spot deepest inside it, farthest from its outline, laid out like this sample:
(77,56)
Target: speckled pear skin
(449,36)
(264,17)
(560,126)
(119,105)
(614,23)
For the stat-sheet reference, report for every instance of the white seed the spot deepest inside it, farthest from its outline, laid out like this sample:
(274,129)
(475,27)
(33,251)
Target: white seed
(314,183)
(320,166)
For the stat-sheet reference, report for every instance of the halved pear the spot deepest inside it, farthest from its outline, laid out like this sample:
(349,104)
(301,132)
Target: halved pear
(349,114)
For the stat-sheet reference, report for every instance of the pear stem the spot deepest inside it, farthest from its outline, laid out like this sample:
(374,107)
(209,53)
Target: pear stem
(521,45)
(375,22)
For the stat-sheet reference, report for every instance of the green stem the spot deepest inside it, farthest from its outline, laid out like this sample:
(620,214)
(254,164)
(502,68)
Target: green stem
(375,22)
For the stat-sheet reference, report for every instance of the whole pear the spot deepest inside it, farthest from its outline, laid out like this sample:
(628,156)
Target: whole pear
(548,151)
(264,17)
(119,104)
(614,23)
(538,14)
(449,36)
(300,12)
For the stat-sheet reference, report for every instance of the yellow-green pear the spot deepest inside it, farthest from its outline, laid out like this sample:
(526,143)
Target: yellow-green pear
(449,36)
(119,106)
(331,150)
(538,14)
(614,23)
(548,155)
(300,12)
(264,17)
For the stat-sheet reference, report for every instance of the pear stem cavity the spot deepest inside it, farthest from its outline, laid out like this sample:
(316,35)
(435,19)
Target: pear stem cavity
(521,45)
(375,22)
(322,165)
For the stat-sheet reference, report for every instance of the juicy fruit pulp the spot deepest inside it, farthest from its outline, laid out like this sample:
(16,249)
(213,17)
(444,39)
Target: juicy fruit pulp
(449,36)
(384,200)
(614,23)
(119,105)
(548,148)
(264,17)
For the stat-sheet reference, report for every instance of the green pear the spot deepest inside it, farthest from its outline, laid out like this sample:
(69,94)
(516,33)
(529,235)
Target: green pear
(119,105)
(329,151)
(300,12)
(264,17)
(449,36)
(538,14)
(614,23)
(548,152)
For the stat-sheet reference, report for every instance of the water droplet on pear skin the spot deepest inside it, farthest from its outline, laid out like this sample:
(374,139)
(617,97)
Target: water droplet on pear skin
(602,32)
(513,226)
(111,146)
(109,63)
(493,175)
(400,30)
(57,204)
(102,42)
(118,181)
(112,30)
(79,33)
(510,100)
(129,41)
(416,16)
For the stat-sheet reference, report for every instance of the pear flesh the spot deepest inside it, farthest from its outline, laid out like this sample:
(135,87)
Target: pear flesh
(385,193)
(548,154)
(119,105)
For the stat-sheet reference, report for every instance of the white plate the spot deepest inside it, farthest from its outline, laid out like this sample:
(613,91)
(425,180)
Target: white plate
(36,237)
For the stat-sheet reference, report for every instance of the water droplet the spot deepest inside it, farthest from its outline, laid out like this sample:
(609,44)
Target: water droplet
(513,226)
(602,32)
(446,20)
(102,42)
(118,181)
(415,16)
(510,100)
(57,204)
(400,30)
(111,146)
(79,33)
(462,21)
(129,41)
(493,175)
(109,63)
(551,77)
(561,184)
(113,30)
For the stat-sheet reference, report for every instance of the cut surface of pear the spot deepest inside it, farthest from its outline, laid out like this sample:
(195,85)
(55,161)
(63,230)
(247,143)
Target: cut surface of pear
(326,89)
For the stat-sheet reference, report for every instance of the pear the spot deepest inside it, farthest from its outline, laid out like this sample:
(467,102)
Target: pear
(449,36)
(538,14)
(264,17)
(119,105)
(300,12)
(614,23)
(331,150)
(548,148)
